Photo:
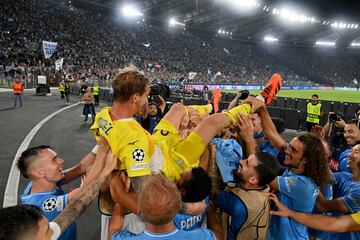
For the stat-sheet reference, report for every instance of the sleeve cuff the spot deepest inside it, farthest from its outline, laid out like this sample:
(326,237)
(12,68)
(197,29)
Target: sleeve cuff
(56,230)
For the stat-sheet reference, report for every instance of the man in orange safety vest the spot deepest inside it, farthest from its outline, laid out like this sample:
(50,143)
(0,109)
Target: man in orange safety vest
(18,91)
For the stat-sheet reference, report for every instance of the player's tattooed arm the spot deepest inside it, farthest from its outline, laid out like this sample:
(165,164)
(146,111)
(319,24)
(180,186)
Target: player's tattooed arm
(78,205)
(214,173)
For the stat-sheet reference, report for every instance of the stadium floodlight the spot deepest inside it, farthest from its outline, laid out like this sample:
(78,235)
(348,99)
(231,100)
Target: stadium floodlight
(344,25)
(244,3)
(355,44)
(325,43)
(172,22)
(292,16)
(276,11)
(270,39)
(131,12)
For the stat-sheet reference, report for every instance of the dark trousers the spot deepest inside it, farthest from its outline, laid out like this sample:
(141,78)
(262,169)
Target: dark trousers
(89,108)
(16,97)
(309,126)
(62,95)
(96,97)
(67,97)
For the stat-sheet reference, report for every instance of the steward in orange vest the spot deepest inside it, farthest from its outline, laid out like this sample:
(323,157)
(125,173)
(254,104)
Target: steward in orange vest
(18,91)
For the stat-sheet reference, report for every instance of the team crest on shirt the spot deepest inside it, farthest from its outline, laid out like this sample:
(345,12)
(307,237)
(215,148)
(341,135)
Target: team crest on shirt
(49,205)
(290,182)
(138,155)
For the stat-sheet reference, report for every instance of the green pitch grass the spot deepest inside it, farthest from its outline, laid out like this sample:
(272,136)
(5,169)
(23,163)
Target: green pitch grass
(331,95)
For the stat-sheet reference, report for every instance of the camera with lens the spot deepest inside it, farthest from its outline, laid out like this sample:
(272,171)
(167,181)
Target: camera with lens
(160,89)
(244,94)
(333,117)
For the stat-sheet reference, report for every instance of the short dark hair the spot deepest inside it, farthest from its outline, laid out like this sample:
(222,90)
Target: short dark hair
(17,221)
(153,103)
(26,157)
(198,187)
(315,95)
(354,121)
(267,169)
(279,124)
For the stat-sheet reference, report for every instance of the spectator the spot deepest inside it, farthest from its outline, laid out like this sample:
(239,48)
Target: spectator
(88,100)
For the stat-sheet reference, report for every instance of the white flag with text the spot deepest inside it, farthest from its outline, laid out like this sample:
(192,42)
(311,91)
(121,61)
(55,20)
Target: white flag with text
(59,64)
(49,48)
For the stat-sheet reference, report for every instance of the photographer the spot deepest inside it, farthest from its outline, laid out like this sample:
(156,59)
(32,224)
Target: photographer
(151,114)
(343,136)
(334,134)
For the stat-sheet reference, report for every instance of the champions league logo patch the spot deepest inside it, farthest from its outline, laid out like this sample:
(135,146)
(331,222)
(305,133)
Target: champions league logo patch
(138,155)
(49,205)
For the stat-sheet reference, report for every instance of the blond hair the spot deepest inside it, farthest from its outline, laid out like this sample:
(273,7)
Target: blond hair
(159,200)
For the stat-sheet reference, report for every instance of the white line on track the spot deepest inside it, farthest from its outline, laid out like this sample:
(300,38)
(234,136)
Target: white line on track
(12,185)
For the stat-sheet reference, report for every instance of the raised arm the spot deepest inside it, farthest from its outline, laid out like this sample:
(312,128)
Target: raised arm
(162,103)
(99,163)
(87,193)
(246,132)
(270,130)
(82,167)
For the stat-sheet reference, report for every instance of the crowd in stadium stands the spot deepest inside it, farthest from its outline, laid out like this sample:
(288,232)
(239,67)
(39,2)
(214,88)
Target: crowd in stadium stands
(96,45)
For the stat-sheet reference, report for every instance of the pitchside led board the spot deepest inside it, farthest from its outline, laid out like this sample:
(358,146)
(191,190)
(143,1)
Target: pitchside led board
(41,80)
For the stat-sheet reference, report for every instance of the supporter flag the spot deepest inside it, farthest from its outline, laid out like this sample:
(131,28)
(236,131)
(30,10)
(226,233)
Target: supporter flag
(226,51)
(49,48)
(192,75)
(209,74)
(59,64)
(147,45)
(216,74)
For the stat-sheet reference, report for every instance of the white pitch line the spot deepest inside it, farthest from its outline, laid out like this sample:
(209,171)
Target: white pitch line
(12,185)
